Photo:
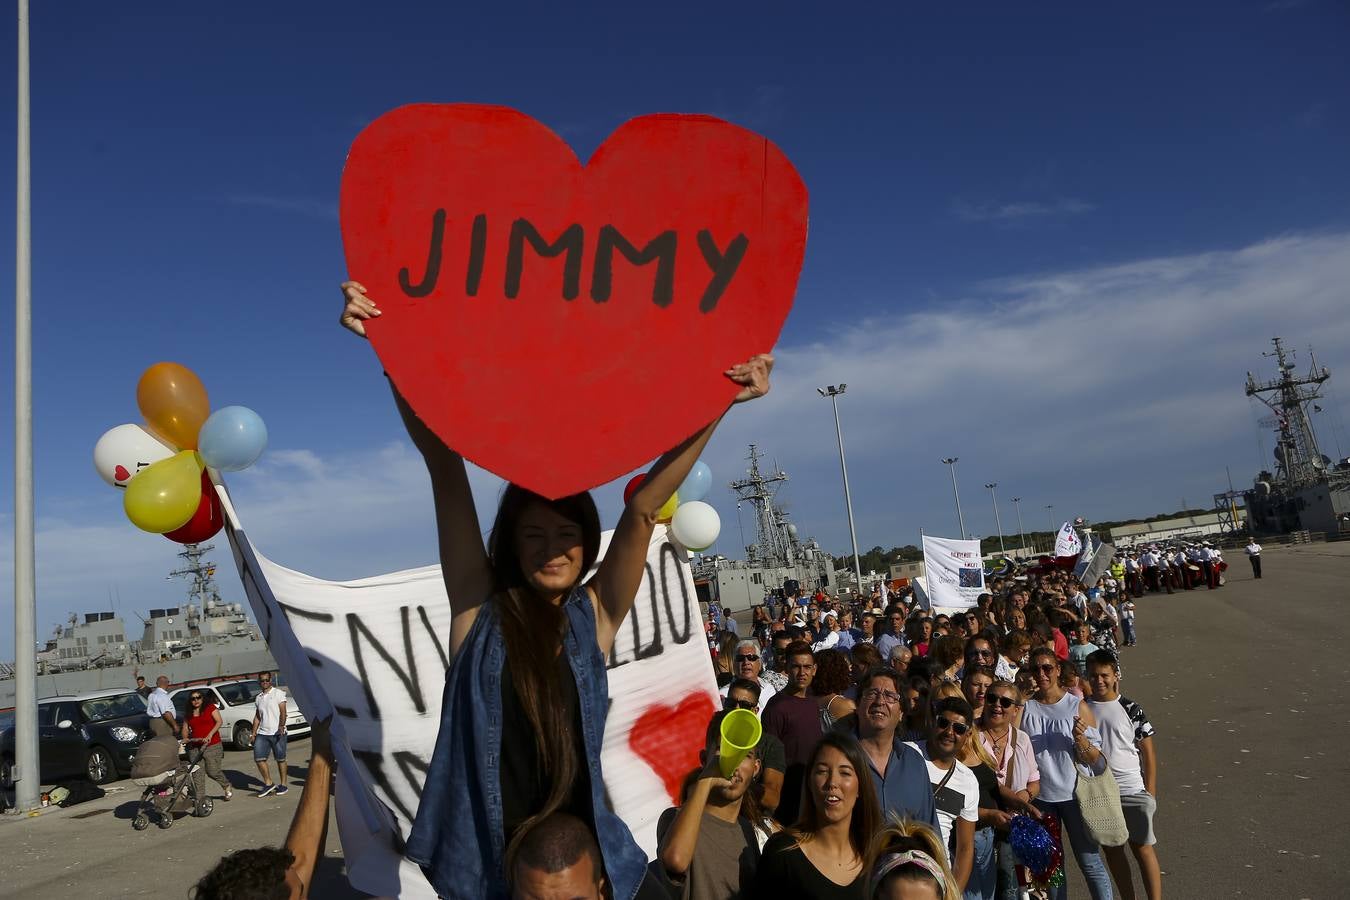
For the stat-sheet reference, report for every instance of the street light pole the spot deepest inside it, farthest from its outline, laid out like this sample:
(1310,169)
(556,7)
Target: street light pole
(1022,532)
(1050,519)
(960,519)
(833,393)
(27,781)
(997,521)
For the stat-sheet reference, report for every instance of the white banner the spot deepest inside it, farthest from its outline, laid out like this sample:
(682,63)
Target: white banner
(1067,542)
(953,572)
(375,652)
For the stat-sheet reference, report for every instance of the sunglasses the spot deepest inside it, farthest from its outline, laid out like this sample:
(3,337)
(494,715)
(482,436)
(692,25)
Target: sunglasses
(747,657)
(1001,700)
(956,728)
(988,653)
(196,696)
(730,704)
(1047,668)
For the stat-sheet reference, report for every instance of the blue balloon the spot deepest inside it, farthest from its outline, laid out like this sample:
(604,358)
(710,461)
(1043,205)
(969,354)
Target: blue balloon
(232,439)
(697,483)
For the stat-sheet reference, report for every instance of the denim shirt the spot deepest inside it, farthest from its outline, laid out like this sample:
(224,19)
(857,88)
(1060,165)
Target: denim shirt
(459,837)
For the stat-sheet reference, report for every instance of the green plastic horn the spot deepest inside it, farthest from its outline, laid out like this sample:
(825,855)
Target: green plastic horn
(740,734)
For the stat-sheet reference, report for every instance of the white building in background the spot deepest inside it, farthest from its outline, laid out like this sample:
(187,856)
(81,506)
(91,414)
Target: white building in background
(1203,526)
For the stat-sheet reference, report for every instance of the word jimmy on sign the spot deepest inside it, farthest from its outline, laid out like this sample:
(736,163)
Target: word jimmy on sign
(570,244)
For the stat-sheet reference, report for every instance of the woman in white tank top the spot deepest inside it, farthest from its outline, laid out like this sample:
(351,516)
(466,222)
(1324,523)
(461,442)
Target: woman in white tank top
(1063,736)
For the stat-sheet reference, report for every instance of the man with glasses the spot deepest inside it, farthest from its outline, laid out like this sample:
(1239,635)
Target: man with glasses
(746,664)
(743,693)
(898,771)
(269,734)
(956,793)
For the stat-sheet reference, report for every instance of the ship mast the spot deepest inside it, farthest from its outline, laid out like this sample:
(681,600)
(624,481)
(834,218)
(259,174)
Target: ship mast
(773,544)
(203,586)
(1298,461)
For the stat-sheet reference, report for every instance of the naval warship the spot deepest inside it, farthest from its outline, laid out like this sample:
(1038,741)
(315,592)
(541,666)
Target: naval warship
(1307,491)
(778,561)
(205,639)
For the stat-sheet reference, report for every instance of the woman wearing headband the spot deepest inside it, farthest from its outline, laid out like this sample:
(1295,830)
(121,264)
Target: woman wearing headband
(906,862)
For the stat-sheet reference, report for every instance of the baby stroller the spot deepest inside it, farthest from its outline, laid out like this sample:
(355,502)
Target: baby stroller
(172,791)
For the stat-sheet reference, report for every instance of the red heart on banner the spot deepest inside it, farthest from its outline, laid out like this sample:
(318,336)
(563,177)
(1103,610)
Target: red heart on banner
(561,325)
(669,739)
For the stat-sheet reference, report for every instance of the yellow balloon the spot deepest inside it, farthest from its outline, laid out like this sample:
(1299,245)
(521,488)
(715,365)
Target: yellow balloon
(165,495)
(667,512)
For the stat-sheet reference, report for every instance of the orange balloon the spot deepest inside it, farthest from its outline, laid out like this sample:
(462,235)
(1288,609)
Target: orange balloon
(173,401)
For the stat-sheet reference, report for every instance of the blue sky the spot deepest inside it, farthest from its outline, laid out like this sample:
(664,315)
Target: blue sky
(1046,238)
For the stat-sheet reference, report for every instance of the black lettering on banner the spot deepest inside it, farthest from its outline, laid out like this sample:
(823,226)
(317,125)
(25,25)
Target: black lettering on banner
(431,633)
(432,271)
(477,247)
(681,637)
(408,762)
(661,596)
(358,629)
(655,648)
(661,249)
(304,613)
(723,266)
(569,242)
(374,763)
(345,711)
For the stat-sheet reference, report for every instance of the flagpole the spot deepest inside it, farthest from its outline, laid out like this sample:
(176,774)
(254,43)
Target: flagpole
(25,773)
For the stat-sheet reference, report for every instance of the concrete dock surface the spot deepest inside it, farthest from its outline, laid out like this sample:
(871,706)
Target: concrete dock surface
(1247,686)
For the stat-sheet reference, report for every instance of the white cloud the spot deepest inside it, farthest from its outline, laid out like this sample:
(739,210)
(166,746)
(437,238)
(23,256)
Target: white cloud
(1109,392)
(1005,213)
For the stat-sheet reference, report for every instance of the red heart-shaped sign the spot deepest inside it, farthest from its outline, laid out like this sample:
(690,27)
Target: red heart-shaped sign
(561,325)
(669,738)
(121,474)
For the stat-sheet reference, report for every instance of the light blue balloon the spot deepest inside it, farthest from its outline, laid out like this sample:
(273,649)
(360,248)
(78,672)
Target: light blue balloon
(697,483)
(232,439)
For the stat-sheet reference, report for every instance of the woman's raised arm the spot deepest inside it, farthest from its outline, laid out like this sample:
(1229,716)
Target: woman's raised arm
(464,562)
(615,584)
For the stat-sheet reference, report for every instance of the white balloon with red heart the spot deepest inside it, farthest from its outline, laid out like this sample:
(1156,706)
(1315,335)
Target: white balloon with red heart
(125,450)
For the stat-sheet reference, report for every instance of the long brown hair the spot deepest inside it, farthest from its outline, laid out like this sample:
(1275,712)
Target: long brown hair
(532,631)
(866,816)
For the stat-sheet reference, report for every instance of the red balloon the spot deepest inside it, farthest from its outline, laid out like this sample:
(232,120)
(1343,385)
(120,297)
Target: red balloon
(631,488)
(205,522)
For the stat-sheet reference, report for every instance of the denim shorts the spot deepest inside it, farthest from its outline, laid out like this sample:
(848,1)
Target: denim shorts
(274,743)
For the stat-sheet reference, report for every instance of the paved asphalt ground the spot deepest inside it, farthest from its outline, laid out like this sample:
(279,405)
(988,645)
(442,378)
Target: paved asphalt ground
(1248,688)
(91,850)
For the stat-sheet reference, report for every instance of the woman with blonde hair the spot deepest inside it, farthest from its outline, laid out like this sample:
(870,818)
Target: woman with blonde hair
(824,854)
(906,861)
(726,658)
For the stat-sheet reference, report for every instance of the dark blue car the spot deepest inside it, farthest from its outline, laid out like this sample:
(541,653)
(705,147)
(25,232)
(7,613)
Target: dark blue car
(91,735)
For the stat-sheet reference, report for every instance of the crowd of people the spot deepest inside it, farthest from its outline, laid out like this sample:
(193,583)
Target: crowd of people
(887,726)
(895,750)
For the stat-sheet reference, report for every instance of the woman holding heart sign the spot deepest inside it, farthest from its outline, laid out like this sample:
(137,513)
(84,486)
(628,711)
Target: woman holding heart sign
(526,694)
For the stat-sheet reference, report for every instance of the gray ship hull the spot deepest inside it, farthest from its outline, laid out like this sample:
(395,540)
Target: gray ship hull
(245,663)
